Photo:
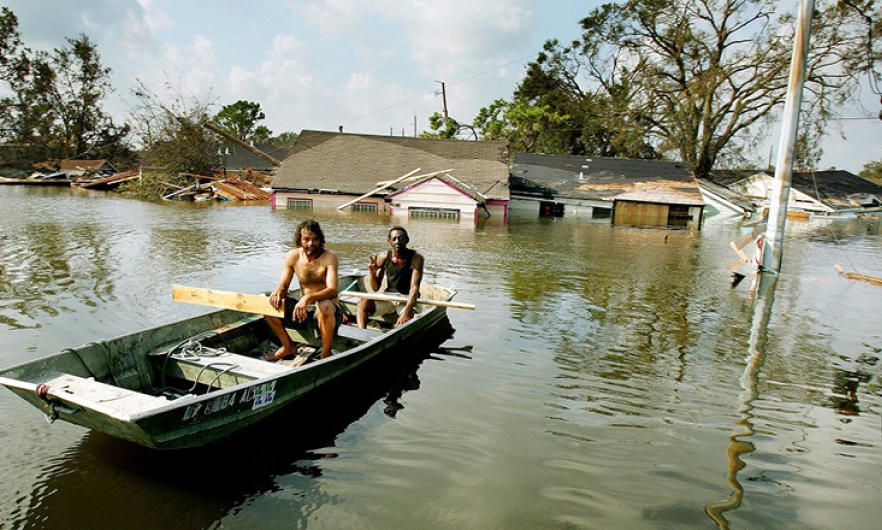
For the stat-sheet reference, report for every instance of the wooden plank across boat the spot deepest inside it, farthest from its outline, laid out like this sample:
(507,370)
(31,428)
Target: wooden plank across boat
(200,379)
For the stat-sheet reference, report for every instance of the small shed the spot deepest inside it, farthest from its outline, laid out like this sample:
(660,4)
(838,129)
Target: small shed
(659,207)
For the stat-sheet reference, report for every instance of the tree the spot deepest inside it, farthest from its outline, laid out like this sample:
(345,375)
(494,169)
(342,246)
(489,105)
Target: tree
(692,79)
(81,84)
(551,113)
(25,116)
(444,128)
(173,136)
(285,139)
(55,99)
(872,172)
(261,134)
(240,119)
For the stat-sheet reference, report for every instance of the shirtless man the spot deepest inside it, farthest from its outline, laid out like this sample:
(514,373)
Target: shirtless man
(402,269)
(316,270)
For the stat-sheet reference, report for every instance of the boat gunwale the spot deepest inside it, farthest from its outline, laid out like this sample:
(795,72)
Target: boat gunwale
(159,440)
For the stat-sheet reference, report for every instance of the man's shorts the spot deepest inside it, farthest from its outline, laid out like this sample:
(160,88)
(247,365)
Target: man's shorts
(384,307)
(310,323)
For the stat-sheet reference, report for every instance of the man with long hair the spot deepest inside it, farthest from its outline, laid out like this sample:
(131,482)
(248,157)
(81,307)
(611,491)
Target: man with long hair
(318,306)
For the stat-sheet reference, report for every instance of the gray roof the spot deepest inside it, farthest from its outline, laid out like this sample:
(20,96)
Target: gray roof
(355,163)
(835,188)
(727,177)
(237,158)
(597,178)
(727,195)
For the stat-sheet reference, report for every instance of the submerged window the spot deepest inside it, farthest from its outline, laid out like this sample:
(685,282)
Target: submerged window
(551,209)
(678,215)
(365,207)
(299,204)
(433,213)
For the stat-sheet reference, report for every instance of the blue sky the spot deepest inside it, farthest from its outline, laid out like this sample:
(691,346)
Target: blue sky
(372,67)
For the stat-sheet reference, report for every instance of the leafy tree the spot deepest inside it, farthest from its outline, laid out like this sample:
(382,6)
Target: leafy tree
(444,128)
(25,116)
(448,129)
(872,172)
(173,136)
(81,84)
(55,99)
(265,136)
(261,134)
(285,139)
(240,119)
(692,79)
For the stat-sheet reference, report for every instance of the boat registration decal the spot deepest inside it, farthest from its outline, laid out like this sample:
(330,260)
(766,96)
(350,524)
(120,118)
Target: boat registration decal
(260,395)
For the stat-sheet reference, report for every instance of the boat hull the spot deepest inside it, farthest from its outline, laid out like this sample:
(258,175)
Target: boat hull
(121,386)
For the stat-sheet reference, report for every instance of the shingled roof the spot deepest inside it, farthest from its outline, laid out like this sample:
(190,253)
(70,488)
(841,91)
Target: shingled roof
(835,188)
(238,158)
(354,163)
(596,178)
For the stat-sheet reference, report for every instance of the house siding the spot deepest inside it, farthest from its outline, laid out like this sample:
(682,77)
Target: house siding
(282,199)
(434,194)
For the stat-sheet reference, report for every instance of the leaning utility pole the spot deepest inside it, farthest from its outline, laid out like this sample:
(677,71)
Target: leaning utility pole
(444,101)
(774,238)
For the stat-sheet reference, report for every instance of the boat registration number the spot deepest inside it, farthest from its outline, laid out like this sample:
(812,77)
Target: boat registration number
(258,395)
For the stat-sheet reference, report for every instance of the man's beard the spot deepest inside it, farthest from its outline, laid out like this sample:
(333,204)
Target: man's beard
(314,251)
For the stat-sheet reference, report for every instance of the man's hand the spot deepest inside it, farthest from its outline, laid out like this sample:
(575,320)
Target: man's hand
(277,298)
(373,265)
(299,314)
(403,317)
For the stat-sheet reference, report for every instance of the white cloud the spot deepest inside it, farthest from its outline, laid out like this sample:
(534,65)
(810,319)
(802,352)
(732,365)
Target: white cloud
(155,18)
(317,64)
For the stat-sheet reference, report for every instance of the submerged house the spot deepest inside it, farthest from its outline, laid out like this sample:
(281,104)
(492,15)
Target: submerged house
(633,192)
(395,175)
(818,192)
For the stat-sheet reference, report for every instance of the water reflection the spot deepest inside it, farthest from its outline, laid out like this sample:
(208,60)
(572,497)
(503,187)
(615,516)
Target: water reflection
(608,387)
(53,271)
(106,483)
(740,444)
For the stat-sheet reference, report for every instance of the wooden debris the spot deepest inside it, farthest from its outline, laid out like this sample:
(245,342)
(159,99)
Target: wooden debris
(218,188)
(107,183)
(240,190)
(859,277)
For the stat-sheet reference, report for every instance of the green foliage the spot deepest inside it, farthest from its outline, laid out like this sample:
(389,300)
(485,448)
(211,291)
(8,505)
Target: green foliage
(444,129)
(696,80)
(55,99)
(240,119)
(285,139)
(174,139)
(261,134)
(872,172)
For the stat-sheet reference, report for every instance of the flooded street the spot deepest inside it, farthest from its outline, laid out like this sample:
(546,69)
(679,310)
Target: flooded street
(610,377)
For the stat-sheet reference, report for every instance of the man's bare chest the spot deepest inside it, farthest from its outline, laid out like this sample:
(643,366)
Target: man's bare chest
(311,274)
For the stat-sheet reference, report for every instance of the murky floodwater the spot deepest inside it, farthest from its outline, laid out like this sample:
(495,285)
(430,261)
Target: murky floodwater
(615,378)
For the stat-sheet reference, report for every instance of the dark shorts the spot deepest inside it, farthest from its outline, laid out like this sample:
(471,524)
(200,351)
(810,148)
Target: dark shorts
(310,323)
